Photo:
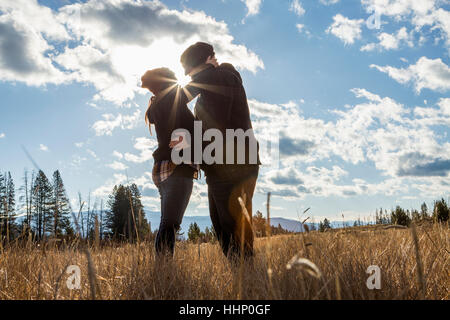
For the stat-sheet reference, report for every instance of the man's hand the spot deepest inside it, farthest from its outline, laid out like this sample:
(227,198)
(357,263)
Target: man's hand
(174,143)
(212,60)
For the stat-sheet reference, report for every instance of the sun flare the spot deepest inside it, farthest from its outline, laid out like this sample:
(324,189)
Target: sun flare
(161,53)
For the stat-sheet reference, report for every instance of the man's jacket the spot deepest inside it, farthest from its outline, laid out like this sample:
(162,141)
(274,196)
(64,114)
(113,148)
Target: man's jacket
(222,105)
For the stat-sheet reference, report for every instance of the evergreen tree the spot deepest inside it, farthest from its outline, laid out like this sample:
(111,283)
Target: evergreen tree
(42,216)
(441,211)
(424,211)
(259,224)
(11,202)
(60,208)
(123,203)
(415,215)
(7,207)
(3,204)
(209,235)
(400,217)
(25,200)
(325,225)
(143,226)
(194,232)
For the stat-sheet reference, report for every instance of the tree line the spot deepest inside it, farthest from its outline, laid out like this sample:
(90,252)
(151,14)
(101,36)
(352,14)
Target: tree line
(44,211)
(398,216)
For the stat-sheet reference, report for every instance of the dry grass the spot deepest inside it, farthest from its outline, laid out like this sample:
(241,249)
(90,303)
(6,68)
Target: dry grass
(130,271)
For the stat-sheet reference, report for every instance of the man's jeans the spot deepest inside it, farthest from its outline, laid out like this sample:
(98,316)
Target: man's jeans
(226,212)
(175,193)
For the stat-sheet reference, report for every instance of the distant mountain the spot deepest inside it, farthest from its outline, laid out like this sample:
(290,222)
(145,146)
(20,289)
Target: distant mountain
(292,225)
(287,224)
(205,221)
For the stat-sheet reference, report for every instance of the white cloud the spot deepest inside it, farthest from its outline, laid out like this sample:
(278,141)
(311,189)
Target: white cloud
(329,2)
(346,29)
(427,73)
(119,166)
(22,54)
(117,154)
(253,6)
(402,145)
(297,8)
(390,41)
(43,147)
(419,13)
(92,154)
(90,65)
(302,29)
(41,18)
(444,105)
(103,36)
(145,146)
(107,188)
(153,35)
(111,122)
(79,144)
(2,135)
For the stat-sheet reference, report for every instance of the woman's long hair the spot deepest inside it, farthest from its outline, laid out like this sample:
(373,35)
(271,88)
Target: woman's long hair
(157,80)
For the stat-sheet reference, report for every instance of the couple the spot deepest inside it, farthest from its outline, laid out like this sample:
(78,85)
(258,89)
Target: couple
(222,105)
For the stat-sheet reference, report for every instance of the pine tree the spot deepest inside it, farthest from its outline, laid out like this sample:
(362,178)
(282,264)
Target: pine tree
(142,225)
(424,211)
(11,205)
(441,210)
(415,215)
(400,217)
(126,214)
(259,224)
(25,200)
(42,205)
(2,205)
(7,206)
(194,232)
(60,208)
(325,225)
(209,235)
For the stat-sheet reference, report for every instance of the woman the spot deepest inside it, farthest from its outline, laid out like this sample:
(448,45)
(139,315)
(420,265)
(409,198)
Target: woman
(174,182)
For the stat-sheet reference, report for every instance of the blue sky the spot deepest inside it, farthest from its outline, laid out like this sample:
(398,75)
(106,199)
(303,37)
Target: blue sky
(362,113)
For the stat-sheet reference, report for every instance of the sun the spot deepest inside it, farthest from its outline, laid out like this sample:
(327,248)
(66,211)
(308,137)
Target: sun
(182,80)
(132,60)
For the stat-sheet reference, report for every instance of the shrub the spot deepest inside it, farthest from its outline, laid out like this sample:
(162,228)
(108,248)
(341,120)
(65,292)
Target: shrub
(400,217)
(441,211)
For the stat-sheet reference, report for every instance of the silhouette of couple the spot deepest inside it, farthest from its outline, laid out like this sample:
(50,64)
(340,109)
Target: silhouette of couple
(221,105)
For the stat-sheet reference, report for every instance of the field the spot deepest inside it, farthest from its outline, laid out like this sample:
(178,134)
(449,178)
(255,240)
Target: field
(413,265)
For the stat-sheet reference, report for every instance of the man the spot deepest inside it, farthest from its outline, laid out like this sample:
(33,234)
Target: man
(223,105)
